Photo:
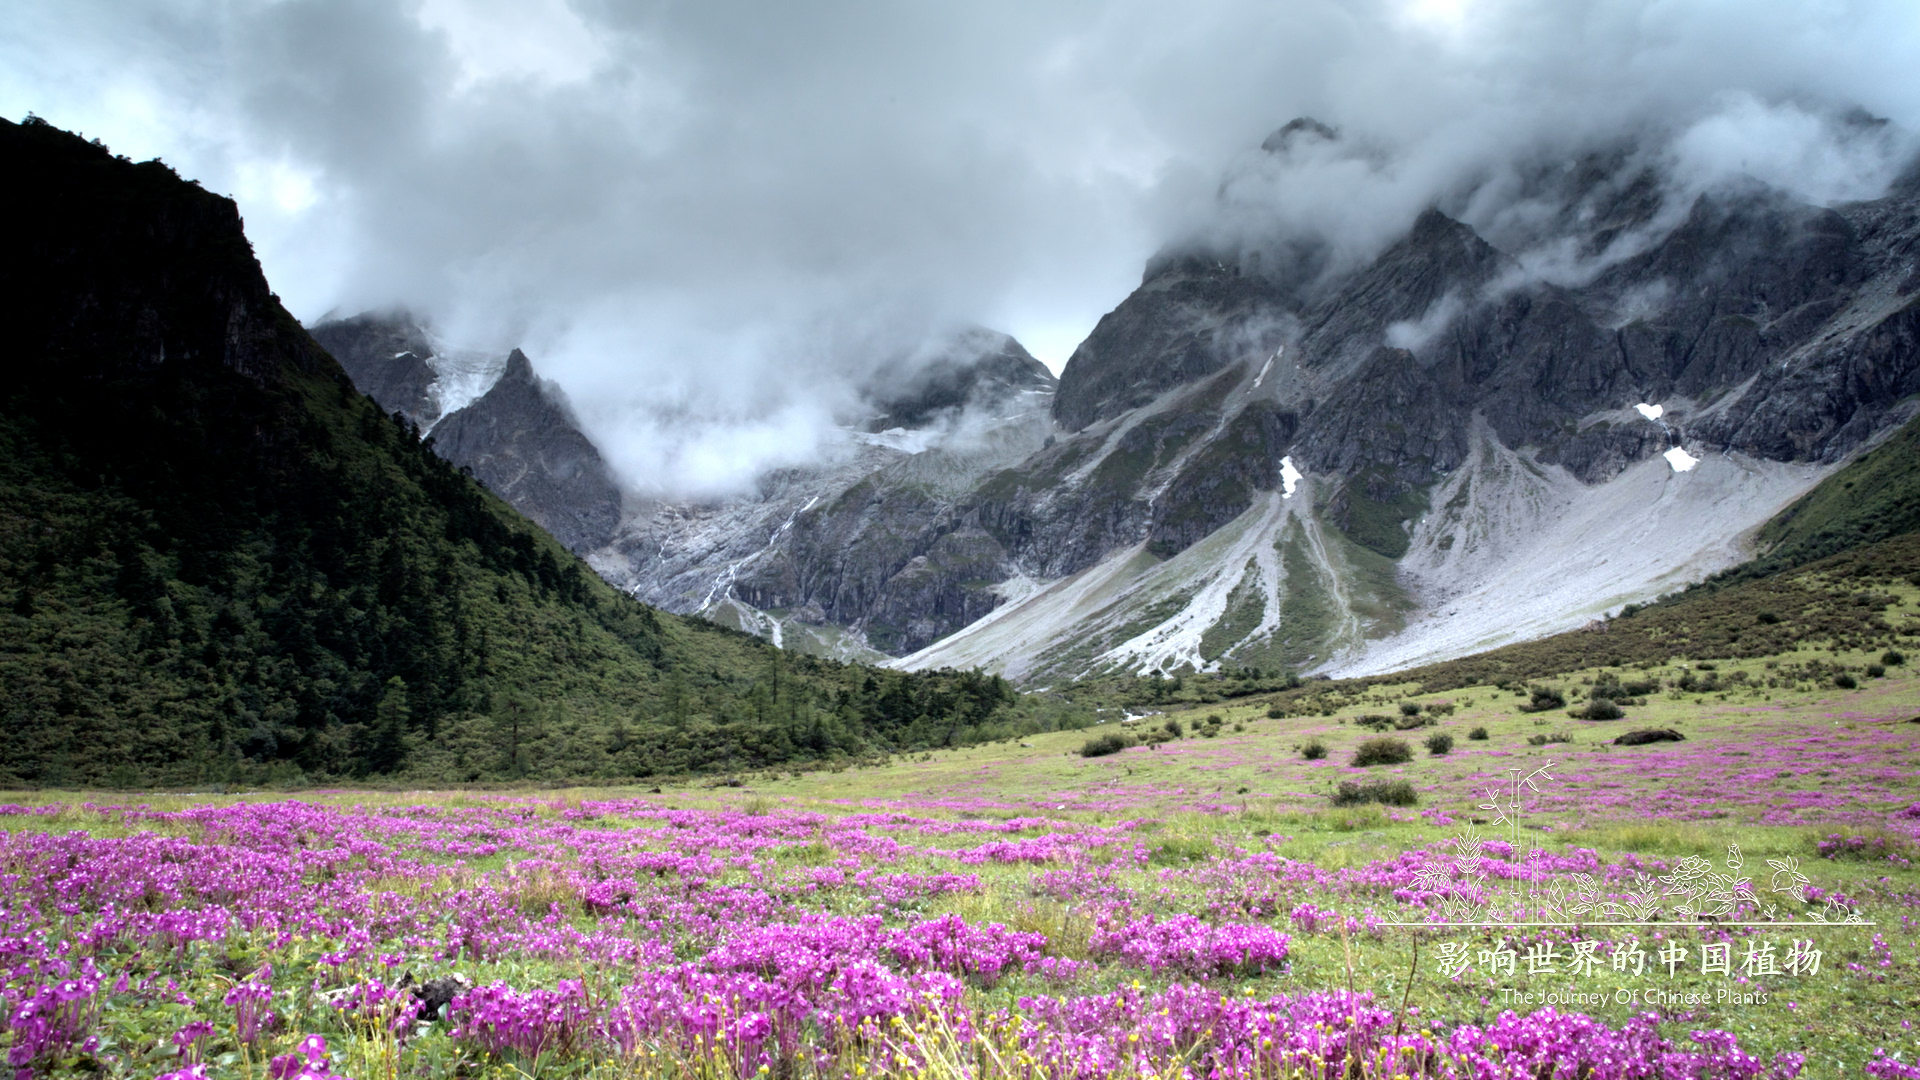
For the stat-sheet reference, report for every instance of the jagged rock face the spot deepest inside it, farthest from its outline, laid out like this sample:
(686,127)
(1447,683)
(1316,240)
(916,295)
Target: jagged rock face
(1438,263)
(1778,334)
(1164,475)
(1715,313)
(520,439)
(983,371)
(85,293)
(877,539)
(387,356)
(1192,318)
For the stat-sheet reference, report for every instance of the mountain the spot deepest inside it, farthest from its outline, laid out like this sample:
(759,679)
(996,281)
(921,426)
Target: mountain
(1474,469)
(1269,458)
(390,359)
(521,440)
(1261,459)
(219,562)
(974,369)
(515,432)
(859,555)
(934,423)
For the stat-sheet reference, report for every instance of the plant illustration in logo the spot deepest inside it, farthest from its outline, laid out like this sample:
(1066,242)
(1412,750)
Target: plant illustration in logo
(1509,803)
(1458,888)
(1705,893)
(1787,870)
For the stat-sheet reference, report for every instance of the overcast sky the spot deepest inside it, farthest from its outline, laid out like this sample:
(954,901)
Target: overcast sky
(703,217)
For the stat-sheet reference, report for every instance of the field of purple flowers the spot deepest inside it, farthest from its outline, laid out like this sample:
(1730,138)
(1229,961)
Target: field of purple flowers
(484,936)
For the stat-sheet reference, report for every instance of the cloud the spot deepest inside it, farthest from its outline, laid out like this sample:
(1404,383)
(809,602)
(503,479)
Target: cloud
(707,221)
(1415,335)
(1483,108)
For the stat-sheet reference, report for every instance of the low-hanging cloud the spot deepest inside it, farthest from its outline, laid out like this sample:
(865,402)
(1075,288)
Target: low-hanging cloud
(710,221)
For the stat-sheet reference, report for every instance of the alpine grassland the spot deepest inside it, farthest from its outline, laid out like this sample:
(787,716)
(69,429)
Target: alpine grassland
(1226,891)
(1740,903)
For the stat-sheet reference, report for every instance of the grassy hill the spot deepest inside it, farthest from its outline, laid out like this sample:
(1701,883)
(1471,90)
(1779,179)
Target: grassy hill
(219,562)
(1876,497)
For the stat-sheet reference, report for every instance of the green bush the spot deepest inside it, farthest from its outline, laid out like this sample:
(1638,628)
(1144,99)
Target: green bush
(1409,708)
(1892,658)
(1104,745)
(1374,721)
(1382,752)
(1387,792)
(1544,698)
(1439,743)
(1845,681)
(1440,708)
(1875,671)
(1314,750)
(1275,712)
(1415,720)
(1477,733)
(1550,737)
(1599,708)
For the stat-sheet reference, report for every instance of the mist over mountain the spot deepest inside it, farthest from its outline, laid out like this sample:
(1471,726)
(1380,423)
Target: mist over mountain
(1445,447)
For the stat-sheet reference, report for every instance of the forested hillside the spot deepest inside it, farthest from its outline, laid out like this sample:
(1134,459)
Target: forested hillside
(220,562)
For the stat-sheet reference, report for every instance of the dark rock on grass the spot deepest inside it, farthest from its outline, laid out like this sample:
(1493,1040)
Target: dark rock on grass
(1649,735)
(434,994)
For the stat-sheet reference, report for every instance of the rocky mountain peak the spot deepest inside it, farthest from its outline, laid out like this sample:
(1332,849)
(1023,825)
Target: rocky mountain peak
(521,439)
(978,368)
(519,369)
(388,356)
(1190,320)
(1299,132)
(513,430)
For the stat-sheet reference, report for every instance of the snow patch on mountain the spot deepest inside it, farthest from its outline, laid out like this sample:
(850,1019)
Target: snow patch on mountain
(1680,460)
(1290,476)
(463,376)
